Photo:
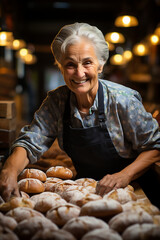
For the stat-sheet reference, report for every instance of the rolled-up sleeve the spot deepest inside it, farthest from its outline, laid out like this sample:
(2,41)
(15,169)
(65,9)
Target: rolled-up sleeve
(140,128)
(37,137)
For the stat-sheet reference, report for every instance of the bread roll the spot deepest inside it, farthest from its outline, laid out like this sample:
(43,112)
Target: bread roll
(24,195)
(60,187)
(81,199)
(50,181)
(45,204)
(8,222)
(37,197)
(130,188)
(141,205)
(79,226)
(102,234)
(101,208)
(59,172)
(86,182)
(122,220)
(28,227)
(143,231)
(121,195)
(33,173)
(31,185)
(156,219)
(21,213)
(46,234)
(15,202)
(7,234)
(62,213)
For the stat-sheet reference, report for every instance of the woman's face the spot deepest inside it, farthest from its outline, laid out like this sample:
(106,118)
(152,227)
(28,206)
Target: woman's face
(80,67)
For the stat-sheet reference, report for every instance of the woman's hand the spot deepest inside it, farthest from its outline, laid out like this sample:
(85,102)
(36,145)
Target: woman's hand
(113,181)
(8,184)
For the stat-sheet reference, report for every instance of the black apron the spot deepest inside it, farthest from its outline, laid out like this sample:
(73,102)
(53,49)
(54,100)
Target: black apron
(91,149)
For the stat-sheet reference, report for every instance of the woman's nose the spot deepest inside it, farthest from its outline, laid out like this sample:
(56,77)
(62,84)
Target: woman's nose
(80,71)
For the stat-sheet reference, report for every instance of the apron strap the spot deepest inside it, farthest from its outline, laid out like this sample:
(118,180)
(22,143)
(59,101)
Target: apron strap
(101,115)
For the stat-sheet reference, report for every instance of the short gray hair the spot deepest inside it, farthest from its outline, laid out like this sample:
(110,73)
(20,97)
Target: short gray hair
(69,34)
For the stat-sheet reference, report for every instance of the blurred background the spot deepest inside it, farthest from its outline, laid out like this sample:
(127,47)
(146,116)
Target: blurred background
(27,28)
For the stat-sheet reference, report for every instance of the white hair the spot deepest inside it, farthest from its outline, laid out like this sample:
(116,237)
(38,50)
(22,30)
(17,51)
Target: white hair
(69,34)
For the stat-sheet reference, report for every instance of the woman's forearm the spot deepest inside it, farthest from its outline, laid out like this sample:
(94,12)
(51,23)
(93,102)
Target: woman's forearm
(17,161)
(141,164)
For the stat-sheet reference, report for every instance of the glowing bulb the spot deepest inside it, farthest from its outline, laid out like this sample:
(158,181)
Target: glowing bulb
(141,48)
(23,52)
(154,39)
(118,58)
(114,37)
(28,57)
(16,43)
(127,55)
(3,36)
(126,20)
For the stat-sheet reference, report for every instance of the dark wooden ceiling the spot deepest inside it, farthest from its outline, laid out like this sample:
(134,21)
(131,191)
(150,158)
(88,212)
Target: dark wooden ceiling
(37,21)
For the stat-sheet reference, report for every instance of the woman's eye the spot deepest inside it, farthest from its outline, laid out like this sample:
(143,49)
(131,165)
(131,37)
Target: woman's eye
(70,64)
(87,63)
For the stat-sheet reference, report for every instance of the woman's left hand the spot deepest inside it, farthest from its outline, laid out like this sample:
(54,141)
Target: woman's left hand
(113,181)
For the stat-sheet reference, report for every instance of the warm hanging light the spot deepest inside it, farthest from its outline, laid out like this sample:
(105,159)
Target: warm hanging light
(30,59)
(6,38)
(127,55)
(140,49)
(115,37)
(154,39)
(117,59)
(126,21)
(18,44)
(22,53)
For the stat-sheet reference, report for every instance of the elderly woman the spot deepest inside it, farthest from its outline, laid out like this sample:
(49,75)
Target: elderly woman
(101,125)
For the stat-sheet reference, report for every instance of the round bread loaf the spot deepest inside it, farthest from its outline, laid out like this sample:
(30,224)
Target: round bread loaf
(102,234)
(81,199)
(45,204)
(141,205)
(59,172)
(121,195)
(28,227)
(72,195)
(60,187)
(101,208)
(15,202)
(143,231)
(46,234)
(8,222)
(122,220)
(37,197)
(79,226)
(62,213)
(31,185)
(156,219)
(86,182)
(21,213)
(33,173)
(24,195)
(50,181)
(130,188)
(7,234)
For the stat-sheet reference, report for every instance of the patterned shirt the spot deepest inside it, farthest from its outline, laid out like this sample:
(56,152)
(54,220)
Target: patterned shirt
(131,128)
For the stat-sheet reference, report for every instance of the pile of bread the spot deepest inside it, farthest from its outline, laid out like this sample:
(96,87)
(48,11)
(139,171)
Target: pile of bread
(54,206)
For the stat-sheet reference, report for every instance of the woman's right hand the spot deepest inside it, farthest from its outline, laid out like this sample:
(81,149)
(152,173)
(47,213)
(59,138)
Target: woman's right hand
(8,184)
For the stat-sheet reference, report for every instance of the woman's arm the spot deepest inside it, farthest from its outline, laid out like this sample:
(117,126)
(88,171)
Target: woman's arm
(13,166)
(129,173)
